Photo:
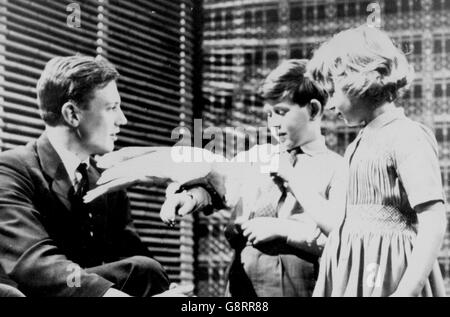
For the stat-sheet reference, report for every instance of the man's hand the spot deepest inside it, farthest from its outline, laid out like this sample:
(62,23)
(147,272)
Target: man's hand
(178,291)
(181,204)
(176,204)
(263,229)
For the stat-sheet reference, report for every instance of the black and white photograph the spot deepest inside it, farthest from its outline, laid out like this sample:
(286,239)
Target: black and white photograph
(245,150)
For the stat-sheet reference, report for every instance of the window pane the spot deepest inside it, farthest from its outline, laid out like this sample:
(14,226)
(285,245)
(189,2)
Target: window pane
(352,136)
(391,6)
(217,18)
(437,5)
(448,179)
(340,10)
(437,46)
(418,92)
(297,53)
(258,17)
(272,59)
(247,18)
(208,18)
(363,8)
(248,59)
(341,140)
(438,93)
(310,13)
(258,58)
(321,14)
(351,9)
(272,16)
(218,60)
(439,135)
(296,14)
(405,5)
(229,59)
(417,5)
(417,48)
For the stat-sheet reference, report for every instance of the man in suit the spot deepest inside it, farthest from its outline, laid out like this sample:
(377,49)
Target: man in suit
(51,244)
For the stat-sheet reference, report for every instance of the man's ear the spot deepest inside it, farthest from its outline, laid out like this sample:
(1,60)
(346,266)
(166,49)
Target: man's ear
(315,109)
(70,114)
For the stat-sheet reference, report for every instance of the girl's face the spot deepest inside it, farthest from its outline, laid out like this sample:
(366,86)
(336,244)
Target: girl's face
(353,110)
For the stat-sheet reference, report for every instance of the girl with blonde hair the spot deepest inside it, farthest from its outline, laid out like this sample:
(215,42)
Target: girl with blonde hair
(394,217)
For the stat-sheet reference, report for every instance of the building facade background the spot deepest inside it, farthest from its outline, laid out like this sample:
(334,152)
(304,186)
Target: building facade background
(244,39)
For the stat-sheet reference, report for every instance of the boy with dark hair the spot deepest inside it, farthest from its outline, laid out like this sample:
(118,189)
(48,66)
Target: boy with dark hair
(282,244)
(51,244)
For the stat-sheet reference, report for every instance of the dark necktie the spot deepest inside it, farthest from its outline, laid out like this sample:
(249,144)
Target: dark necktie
(293,153)
(79,208)
(293,159)
(272,201)
(78,191)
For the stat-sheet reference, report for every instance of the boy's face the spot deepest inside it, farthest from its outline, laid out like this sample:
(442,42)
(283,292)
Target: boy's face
(100,122)
(288,122)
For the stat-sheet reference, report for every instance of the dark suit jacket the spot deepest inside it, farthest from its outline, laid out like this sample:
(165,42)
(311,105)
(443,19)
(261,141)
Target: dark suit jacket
(41,237)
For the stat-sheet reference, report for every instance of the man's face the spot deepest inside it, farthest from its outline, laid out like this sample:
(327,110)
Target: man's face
(288,122)
(100,122)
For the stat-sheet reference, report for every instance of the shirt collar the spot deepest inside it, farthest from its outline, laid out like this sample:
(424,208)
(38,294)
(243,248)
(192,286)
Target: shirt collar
(69,159)
(384,119)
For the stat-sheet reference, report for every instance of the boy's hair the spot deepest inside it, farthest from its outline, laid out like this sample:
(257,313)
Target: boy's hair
(366,64)
(288,81)
(73,78)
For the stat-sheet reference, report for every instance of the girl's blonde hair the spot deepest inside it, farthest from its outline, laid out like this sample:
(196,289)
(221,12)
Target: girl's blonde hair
(365,62)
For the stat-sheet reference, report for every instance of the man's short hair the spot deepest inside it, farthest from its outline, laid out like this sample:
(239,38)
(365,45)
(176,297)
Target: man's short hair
(71,78)
(288,81)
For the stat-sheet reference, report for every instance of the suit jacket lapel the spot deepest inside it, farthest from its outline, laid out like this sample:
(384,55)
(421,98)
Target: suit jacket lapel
(54,168)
